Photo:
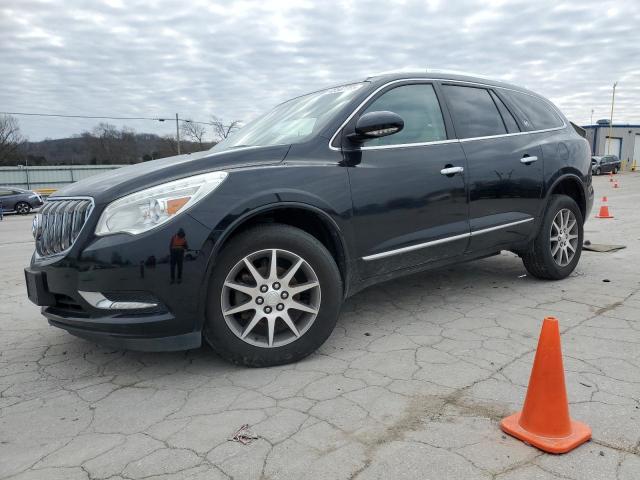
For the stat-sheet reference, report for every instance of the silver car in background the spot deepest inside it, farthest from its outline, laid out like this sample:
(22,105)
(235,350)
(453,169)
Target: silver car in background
(18,200)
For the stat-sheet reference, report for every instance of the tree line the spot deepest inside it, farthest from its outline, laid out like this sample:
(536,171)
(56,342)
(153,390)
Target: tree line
(107,144)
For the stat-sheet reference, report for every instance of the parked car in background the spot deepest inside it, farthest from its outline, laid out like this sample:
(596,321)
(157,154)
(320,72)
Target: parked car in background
(605,164)
(18,200)
(254,244)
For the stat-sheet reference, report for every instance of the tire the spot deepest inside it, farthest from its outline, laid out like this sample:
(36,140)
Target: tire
(538,259)
(22,208)
(223,332)
(598,171)
(615,170)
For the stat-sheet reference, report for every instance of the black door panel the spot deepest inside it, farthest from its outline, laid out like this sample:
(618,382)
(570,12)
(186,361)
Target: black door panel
(502,189)
(505,168)
(401,201)
(407,211)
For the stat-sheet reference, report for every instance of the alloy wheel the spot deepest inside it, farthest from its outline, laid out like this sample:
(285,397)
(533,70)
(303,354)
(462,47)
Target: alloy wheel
(564,237)
(22,208)
(270,298)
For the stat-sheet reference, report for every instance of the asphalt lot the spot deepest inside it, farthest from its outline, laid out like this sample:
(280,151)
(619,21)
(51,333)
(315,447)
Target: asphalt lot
(412,384)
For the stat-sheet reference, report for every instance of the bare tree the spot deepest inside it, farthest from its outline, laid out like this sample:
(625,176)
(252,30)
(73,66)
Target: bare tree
(193,131)
(167,146)
(10,140)
(108,145)
(222,130)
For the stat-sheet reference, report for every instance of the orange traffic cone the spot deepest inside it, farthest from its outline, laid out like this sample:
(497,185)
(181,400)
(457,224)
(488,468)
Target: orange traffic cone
(615,184)
(604,199)
(604,212)
(544,421)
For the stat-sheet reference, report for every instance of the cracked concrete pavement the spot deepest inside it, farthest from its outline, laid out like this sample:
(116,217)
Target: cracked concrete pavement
(411,385)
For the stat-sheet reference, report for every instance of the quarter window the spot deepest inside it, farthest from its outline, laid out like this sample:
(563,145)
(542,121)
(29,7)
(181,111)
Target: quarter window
(536,113)
(474,112)
(509,121)
(419,108)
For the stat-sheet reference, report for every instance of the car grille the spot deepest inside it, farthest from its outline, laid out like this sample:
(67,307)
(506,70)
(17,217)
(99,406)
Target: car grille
(59,223)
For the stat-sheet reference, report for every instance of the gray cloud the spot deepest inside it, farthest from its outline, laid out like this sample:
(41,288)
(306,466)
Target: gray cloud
(236,59)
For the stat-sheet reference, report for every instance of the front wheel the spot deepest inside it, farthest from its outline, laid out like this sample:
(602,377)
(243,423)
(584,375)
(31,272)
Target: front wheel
(274,297)
(598,171)
(22,208)
(615,170)
(555,251)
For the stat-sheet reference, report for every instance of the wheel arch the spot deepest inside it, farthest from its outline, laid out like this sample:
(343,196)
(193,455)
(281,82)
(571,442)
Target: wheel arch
(308,218)
(572,186)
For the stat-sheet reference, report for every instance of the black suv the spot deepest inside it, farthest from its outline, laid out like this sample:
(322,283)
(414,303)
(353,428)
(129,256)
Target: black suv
(255,244)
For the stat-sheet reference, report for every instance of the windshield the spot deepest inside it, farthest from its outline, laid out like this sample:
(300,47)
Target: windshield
(293,121)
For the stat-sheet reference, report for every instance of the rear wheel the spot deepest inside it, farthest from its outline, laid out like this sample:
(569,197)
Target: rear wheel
(615,170)
(22,208)
(555,251)
(274,297)
(598,171)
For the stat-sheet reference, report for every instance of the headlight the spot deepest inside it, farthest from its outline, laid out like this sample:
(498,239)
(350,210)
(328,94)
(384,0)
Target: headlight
(147,209)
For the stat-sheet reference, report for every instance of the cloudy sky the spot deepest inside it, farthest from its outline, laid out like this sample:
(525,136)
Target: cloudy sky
(237,58)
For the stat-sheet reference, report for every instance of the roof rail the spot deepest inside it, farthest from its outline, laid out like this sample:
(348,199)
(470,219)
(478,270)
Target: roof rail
(431,70)
(459,72)
(398,70)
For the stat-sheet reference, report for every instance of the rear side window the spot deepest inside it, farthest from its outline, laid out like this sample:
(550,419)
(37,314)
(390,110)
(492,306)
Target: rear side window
(474,112)
(536,113)
(509,121)
(419,108)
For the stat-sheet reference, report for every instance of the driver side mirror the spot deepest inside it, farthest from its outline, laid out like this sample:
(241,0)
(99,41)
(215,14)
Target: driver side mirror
(376,125)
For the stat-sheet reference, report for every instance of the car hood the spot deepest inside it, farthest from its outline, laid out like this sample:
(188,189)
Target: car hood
(108,186)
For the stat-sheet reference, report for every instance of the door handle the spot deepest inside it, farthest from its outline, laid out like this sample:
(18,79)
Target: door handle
(451,170)
(528,160)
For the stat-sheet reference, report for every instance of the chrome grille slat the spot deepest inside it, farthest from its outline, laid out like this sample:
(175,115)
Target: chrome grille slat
(39,234)
(57,228)
(67,233)
(51,227)
(60,222)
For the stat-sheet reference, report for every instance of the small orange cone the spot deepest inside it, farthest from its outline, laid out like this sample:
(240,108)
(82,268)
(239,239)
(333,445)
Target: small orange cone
(615,184)
(604,199)
(544,421)
(604,212)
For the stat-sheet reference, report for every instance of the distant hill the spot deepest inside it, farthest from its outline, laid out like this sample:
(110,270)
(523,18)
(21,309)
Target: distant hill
(115,147)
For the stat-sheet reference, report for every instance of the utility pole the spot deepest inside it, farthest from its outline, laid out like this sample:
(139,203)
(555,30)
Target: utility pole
(613,98)
(591,123)
(178,133)
(26,169)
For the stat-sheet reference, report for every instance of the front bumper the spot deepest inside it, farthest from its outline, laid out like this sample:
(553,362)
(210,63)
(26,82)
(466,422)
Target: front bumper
(127,268)
(142,343)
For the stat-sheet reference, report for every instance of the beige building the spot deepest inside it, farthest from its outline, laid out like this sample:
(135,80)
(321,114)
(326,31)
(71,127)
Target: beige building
(624,141)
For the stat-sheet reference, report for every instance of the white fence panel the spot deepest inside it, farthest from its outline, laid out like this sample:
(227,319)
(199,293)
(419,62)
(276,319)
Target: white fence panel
(49,177)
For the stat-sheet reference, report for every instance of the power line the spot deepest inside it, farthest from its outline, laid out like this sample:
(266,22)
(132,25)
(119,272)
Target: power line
(97,117)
